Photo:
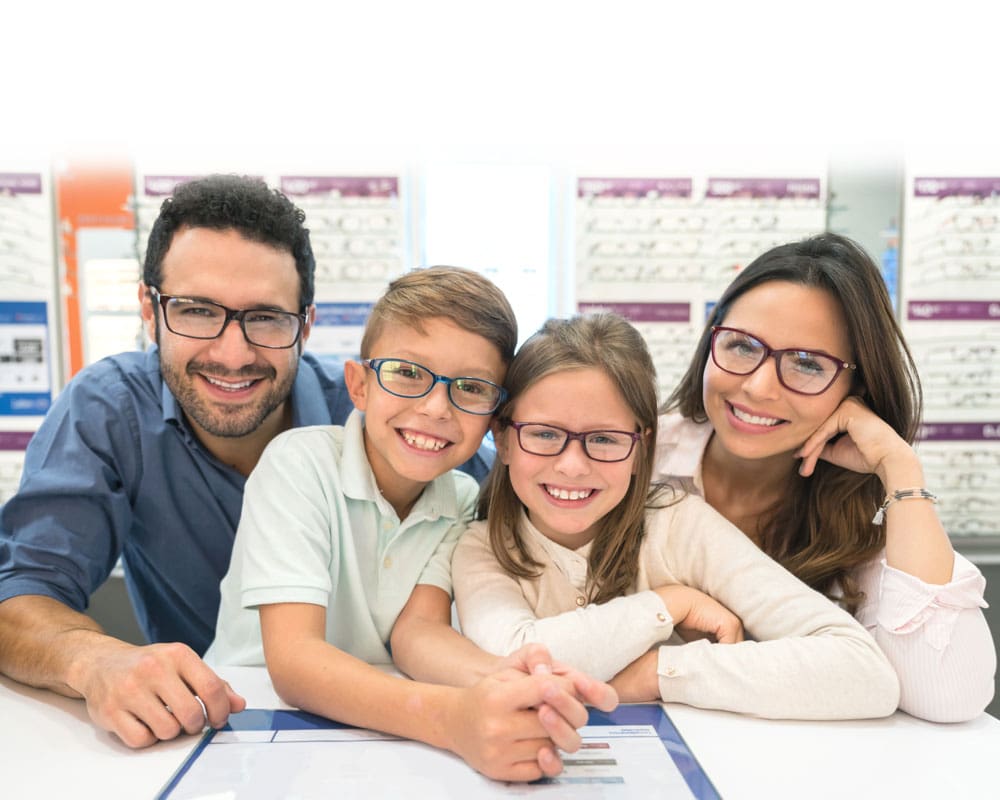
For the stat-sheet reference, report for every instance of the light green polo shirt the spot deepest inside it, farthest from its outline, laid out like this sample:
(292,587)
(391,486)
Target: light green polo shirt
(315,529)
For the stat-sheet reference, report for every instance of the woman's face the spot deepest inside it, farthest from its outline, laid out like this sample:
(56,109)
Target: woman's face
(754,416)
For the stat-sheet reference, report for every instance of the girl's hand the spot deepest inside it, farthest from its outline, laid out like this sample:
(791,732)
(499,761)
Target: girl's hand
(638,682)
(696,615)
(868,443)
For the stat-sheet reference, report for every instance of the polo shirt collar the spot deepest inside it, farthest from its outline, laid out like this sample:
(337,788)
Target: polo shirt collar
(439,498)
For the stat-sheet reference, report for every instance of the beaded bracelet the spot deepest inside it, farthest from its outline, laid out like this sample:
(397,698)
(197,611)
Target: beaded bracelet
(901,494)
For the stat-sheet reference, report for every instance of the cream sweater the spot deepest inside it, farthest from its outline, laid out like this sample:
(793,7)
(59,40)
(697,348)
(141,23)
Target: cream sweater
(809,660)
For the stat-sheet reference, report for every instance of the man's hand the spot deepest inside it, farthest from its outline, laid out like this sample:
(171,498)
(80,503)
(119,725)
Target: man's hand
(152,693)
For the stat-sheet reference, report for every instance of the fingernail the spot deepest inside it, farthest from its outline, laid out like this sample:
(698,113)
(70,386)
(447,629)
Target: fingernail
(541,669)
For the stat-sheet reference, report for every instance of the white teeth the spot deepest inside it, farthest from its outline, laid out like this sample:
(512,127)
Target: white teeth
(230,386)
(753,420)
(423,442)
(564,494)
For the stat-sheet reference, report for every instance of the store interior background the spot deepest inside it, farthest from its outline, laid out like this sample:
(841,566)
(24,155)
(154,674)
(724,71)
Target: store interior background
(441,96)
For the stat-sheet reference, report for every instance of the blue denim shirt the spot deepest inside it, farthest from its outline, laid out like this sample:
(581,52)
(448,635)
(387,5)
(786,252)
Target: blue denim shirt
(116,471)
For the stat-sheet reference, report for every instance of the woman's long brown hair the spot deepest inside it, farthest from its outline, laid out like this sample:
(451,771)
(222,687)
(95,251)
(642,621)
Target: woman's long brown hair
(822,529)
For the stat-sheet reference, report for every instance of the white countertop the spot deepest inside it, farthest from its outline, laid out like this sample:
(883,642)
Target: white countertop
(50,749)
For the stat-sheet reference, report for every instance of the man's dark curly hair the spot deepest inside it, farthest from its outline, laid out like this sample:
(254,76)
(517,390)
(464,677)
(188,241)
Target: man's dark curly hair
(243,204)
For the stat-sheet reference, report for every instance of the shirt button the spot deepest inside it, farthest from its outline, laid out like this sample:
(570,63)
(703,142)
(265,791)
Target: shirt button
(581,601)
(387,562)
(661,617)
(669,672)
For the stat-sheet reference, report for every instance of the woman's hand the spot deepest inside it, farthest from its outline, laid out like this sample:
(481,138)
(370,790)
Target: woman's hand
(868,444)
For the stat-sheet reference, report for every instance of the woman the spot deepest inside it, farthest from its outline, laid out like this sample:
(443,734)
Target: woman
(795,421)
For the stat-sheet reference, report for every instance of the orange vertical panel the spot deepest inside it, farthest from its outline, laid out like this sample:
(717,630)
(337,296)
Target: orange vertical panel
(89,194)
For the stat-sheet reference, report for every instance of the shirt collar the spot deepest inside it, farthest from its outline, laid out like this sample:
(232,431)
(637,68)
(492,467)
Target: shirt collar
(680,449)
(438,499)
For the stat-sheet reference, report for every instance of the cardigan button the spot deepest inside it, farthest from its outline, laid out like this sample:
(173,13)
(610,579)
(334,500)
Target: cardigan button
(581,601)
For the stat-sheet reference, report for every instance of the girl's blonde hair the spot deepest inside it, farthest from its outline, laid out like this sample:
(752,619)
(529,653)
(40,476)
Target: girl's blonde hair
(609,343)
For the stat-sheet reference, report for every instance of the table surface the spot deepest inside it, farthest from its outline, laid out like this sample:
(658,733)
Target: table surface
(50,749)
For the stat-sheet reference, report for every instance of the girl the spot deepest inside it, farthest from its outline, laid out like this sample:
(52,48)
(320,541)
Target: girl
(580,554)
(794,421)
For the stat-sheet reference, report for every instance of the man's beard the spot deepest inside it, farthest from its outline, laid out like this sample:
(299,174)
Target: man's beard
(223,420)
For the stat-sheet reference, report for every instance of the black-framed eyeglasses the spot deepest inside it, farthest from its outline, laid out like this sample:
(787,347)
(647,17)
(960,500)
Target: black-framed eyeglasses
(409,379)
(203,319)
(539,439)
(801,371)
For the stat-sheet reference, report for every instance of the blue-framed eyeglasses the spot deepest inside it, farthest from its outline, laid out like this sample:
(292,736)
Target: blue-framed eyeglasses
(408,379)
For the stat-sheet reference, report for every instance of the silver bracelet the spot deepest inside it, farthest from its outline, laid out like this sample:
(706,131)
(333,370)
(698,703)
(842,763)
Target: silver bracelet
(901,494)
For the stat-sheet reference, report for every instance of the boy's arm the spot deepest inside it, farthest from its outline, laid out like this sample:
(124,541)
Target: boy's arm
(141,694)
(427,647)
(493,724)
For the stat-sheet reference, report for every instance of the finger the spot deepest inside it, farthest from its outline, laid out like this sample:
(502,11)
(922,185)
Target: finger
(536,658)
(549,762)
(130,730)
(237,702)
(561,732)
(730,634)
(215,695)
(159,718)
(595,693)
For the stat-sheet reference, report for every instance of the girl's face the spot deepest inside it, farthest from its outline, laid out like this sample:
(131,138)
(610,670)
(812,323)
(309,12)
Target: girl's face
(567,495)
(754,416)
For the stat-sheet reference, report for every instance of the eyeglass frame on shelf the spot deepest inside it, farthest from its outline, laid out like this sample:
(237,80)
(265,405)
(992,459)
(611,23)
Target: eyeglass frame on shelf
(375,365)
(163,300)
(770,352)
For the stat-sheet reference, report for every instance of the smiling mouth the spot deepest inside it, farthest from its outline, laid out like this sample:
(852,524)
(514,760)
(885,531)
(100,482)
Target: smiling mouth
(231,386)
(752,419)
(423,442)
(568,494)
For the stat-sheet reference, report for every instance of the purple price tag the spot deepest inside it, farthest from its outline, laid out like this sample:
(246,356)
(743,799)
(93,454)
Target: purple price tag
(643,312)
(954,187)
(633,187)
(777,188)
(20,183)
(352,186)
(962,310)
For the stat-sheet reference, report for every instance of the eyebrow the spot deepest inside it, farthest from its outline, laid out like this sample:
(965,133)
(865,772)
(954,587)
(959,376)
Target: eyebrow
(252,307)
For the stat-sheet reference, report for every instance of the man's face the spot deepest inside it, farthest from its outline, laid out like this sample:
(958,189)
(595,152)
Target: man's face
(227,387)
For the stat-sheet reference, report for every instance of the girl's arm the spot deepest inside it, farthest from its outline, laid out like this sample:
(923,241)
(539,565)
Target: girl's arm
(493,725)
(494,613)
(810,660)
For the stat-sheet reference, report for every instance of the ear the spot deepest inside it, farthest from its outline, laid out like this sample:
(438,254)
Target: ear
(356,379)
(308,326)
(148,311)
(645,442)
(500,440)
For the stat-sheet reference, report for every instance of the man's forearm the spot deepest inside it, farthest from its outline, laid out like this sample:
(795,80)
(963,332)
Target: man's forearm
(40,639)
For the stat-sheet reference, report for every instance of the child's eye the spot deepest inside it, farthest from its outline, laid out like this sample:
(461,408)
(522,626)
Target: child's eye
(471,387)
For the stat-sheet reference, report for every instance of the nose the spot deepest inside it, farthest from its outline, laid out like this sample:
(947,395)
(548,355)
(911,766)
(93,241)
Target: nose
(763,382)
(231,348)
(573,461)
(436,402)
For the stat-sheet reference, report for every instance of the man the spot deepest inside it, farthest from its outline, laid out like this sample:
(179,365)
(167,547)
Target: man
(145,455)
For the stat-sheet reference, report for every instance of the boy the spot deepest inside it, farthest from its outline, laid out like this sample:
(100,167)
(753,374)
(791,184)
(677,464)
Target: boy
(361,520)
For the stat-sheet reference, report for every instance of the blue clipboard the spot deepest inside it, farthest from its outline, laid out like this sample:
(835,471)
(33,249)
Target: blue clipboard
(267,725)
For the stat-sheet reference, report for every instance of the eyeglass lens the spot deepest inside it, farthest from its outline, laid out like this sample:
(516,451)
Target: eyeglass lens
(200,319)
(407,379)
(546,440)
(799,370)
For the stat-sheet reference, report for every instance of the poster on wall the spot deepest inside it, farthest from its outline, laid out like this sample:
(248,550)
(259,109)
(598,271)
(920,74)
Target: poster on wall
(660,251)
(950,308)
(28,372)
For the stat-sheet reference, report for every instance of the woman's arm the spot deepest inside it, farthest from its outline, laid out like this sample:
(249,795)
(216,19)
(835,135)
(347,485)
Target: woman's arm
(916,542)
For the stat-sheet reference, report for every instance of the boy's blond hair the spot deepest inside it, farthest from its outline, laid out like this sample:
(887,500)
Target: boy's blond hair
(469,300)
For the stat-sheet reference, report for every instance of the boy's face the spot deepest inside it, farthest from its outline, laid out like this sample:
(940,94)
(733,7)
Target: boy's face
(411,441)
